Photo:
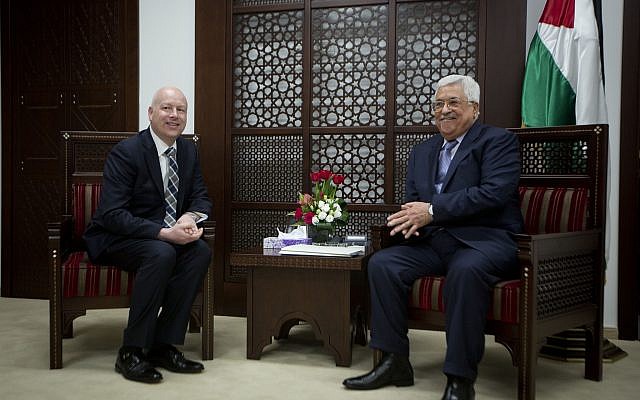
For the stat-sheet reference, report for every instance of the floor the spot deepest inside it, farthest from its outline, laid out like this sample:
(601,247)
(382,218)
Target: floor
(296,368)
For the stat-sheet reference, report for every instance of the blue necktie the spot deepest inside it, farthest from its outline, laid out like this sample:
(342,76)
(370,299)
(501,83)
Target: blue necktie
(171,192)
(443,163)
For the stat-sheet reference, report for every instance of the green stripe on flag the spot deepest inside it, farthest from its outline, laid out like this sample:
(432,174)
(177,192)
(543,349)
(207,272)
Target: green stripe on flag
(547,97)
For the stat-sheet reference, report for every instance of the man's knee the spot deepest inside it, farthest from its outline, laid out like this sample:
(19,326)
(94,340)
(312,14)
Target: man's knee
(467,275)
(199,255)
(163,253)
(377,265)
(465,269)
(156,261)
(204,251)
(383,267)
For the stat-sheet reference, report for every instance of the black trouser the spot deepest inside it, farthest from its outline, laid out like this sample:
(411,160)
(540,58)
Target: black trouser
(469,278)
(167,280)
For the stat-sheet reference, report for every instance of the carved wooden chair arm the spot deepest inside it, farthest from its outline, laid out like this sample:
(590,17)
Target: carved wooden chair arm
(381,237)
(561,271)
(59,236)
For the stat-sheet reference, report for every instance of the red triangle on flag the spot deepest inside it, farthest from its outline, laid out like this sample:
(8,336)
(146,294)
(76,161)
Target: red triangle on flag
(559,13)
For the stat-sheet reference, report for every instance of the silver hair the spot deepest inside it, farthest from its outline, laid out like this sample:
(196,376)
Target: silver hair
(469,86)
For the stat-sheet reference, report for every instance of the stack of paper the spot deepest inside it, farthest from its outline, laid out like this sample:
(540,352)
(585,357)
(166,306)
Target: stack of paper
(323,251)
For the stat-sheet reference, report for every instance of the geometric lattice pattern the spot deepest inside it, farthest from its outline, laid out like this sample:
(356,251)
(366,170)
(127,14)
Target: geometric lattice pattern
(565,283)
(360,222)
(267,168)
(349,63)
(359,157)
(434,39)
(404,144)
(554,157)
(267,70)
(339,106)
(90,156)
(100,61)
(46,40)
(248,228)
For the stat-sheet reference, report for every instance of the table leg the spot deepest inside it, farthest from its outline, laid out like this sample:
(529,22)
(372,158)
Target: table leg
(276,297)
(255,341)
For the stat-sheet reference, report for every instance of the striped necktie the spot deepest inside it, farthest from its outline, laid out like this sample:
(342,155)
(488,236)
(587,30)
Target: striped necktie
(444,162)
(171,192)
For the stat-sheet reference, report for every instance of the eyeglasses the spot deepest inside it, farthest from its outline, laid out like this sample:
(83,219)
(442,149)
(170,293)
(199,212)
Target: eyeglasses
(453,103)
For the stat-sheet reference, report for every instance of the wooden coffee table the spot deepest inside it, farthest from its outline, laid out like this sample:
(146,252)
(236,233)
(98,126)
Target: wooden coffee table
(282,290)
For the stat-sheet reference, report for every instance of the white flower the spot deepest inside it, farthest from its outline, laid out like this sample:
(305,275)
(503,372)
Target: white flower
(321,204)
(325,208)
(322,216)
(315,220)
(337,213)
(329,218)
(336,206)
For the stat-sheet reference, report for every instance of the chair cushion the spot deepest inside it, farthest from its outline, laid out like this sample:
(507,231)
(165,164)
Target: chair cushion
(85,202)
(81,278)
(426,294)
(545,210)
(553,210)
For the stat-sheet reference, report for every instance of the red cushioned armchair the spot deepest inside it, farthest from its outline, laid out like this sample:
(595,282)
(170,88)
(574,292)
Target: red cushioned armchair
(76,284)
(562,195)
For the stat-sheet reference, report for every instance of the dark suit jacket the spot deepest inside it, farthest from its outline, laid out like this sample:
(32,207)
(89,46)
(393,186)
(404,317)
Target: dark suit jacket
(132,201)
(479,202)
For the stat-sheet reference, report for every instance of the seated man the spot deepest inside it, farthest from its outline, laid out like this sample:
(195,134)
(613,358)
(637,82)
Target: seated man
(152,198)
(461,213)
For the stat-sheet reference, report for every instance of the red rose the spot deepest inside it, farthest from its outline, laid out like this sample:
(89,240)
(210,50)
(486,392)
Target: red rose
(325,174)
(308,217)
(315,176)
(298,214)
(338,179)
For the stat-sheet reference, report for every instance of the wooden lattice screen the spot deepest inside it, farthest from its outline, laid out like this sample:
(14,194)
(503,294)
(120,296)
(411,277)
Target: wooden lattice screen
(344,85)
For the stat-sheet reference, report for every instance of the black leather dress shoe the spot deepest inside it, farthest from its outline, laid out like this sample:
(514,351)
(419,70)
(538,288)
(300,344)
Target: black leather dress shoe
(168,357)
(393,369)
(133,366)
(459,389)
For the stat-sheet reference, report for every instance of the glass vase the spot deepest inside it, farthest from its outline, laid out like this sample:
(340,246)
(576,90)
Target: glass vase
(321,233)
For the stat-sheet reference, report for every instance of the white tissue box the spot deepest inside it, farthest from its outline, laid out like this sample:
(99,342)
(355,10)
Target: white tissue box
(272,243)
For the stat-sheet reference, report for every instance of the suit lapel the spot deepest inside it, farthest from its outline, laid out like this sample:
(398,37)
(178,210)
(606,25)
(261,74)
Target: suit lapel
(152,161)
(432,160)
(463,150)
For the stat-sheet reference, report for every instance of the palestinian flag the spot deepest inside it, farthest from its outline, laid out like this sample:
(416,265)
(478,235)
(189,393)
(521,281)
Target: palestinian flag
(563,78)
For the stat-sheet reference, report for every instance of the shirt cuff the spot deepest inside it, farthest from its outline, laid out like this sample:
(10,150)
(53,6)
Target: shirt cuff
(431,210)
(197,216)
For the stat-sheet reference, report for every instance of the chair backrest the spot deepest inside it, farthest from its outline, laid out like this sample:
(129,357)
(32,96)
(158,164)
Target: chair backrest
(563,177)
(84,155)
(553,210)
(563,171)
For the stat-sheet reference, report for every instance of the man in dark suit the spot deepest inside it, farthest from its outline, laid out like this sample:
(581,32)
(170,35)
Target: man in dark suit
(460,214)
(152,199)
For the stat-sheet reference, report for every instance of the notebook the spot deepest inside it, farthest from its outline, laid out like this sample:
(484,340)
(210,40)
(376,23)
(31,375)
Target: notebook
(323,251)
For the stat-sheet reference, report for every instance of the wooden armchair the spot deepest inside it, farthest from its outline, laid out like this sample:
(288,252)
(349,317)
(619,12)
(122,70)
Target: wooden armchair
(76,284)
(562,195)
